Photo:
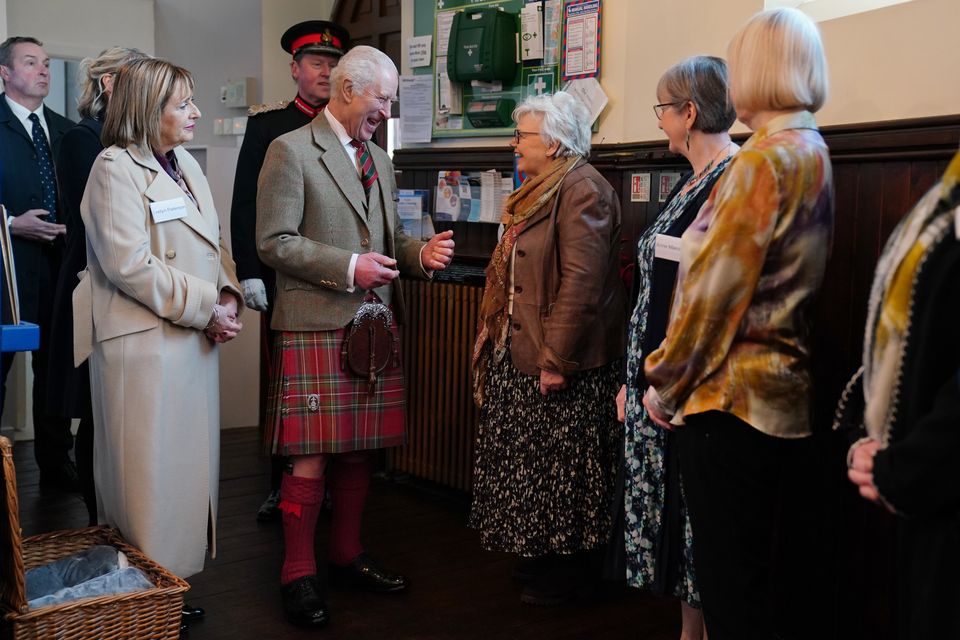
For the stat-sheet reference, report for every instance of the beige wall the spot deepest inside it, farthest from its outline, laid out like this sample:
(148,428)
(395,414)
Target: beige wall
(896,62)
(668,36)
(239,358)
(276,17)
(75,29)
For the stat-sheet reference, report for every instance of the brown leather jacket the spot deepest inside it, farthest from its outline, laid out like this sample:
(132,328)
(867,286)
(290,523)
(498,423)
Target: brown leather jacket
(569,304)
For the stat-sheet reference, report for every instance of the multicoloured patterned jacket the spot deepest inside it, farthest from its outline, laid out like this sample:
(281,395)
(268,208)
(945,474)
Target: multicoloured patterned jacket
(750,265)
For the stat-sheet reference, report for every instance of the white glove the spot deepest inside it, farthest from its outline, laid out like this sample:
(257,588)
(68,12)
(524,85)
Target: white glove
(254,294)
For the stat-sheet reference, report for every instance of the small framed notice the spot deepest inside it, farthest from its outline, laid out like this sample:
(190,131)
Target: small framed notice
(667,182)
(580,50)
(640,187)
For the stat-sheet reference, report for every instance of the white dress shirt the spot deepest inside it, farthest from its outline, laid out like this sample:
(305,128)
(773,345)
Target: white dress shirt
(23,115)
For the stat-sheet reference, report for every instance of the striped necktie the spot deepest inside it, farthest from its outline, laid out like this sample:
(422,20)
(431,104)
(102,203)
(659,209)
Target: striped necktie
(368,172)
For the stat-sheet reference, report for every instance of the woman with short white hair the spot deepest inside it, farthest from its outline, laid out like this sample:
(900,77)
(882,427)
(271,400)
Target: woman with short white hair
(732,376)
(547,358)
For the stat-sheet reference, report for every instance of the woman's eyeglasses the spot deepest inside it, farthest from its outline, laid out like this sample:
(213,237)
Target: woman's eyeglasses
(660,108)
(519,135)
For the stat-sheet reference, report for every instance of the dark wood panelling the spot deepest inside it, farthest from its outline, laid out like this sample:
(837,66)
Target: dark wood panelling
(375,24)
(437,340)
(391,8)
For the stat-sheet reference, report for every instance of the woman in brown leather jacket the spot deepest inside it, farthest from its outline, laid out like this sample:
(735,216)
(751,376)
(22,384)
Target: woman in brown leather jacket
(546,361)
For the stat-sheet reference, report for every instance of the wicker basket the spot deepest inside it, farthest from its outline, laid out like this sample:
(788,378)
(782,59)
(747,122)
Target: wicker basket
(152,614)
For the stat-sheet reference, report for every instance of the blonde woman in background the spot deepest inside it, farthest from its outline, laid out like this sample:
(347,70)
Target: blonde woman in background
(732,375)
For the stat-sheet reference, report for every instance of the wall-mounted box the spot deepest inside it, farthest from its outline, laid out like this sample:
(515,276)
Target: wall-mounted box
(495,112)
(239,92)
(483,46)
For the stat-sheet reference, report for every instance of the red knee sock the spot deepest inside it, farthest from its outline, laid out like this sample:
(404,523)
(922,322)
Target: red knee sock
(349,478)
(300,500)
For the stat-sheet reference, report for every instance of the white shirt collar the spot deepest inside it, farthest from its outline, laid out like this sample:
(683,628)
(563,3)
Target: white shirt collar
(23,115)
(345,139)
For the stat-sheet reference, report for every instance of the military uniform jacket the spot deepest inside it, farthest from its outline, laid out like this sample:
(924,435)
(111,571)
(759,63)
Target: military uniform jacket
(263,127)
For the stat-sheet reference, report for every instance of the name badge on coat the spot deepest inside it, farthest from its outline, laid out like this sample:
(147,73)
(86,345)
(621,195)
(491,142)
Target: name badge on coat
(166,210)
(667,248)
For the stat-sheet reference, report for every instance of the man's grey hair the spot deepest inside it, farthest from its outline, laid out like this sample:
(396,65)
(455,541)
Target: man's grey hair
(362,66)
(565,120)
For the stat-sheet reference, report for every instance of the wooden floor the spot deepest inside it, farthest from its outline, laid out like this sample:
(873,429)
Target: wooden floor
(458,590)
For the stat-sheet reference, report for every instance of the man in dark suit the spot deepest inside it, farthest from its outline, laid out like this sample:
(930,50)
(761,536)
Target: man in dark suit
(327,222)
(316,47)
(30,135)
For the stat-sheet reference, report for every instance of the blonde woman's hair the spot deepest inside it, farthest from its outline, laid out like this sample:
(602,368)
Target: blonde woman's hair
(93,100)
(777,63)
(140,91)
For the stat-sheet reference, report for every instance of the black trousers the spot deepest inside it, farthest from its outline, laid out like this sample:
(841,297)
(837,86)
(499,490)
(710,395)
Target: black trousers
(753,504)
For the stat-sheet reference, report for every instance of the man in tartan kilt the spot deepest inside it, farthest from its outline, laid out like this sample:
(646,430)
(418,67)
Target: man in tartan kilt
(327,223)
(316,47)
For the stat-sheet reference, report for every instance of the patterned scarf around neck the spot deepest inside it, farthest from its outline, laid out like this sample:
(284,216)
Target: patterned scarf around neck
(532,196)
(888,316)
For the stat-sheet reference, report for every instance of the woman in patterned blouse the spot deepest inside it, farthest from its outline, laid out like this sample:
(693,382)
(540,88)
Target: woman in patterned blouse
(695,113)
(732,375)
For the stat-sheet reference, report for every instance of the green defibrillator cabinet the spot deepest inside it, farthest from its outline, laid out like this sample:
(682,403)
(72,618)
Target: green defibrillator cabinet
(483,46)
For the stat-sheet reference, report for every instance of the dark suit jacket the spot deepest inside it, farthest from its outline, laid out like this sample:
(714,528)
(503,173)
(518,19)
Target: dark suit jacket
(68,389)
(20,191)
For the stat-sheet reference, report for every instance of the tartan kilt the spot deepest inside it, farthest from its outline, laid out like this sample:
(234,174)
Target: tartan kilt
(314,406)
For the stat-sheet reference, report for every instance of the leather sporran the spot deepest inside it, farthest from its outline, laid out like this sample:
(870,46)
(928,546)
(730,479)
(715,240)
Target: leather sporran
(370,346)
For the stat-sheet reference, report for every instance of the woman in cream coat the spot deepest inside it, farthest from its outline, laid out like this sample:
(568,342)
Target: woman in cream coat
(159,294)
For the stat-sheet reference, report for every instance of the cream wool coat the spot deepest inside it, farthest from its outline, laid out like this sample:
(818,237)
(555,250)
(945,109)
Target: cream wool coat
(139,311)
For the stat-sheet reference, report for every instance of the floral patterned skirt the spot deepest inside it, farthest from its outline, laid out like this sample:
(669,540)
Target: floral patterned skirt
(545,466)
(657,536)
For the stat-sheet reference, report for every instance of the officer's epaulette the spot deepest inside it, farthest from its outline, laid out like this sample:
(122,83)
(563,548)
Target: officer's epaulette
(257,109)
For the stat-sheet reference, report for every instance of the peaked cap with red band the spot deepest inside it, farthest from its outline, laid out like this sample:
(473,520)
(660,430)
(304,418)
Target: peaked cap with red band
(316,36)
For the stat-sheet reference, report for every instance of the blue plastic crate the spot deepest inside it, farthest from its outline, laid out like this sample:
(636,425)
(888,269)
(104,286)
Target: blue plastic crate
(19,337)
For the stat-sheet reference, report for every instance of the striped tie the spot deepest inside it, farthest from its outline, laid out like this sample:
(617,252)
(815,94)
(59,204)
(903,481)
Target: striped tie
(368,172)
